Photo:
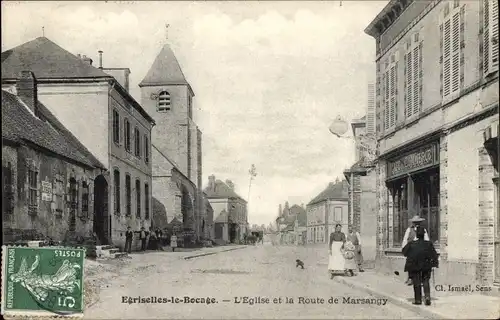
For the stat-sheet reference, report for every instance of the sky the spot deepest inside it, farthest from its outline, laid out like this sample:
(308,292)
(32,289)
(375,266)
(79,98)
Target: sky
(269,78)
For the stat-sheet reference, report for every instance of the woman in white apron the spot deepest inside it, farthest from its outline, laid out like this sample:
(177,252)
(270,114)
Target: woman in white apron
(336,261)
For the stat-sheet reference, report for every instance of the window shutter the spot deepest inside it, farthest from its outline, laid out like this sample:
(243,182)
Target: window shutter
(409,91)
(455,63)
(462,46)
(494,35)
(420,74)
(392,110)
(386,100)
(490,34)
(446,58)
(441,48)
(416,78)
(486,37)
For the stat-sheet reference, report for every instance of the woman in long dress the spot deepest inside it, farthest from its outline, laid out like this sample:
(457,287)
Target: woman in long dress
(336,262)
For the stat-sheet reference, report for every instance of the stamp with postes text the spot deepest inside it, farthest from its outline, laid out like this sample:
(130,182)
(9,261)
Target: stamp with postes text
(42,282)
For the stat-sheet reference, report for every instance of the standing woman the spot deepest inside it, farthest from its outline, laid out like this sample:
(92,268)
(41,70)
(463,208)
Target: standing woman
(336,263)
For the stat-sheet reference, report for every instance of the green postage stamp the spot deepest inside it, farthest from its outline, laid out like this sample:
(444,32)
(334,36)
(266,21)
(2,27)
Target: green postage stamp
(42,282)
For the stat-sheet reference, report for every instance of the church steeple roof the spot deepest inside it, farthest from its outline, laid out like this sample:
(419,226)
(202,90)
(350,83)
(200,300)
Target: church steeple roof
(165,70)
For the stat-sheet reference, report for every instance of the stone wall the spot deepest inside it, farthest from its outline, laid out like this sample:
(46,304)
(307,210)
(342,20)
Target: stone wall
(52,215)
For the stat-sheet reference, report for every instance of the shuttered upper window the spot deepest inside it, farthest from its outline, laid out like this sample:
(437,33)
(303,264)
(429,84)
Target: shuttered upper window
(451,50)
(116,127)
(490,34)
(163,101)
(390,80)
(413,76)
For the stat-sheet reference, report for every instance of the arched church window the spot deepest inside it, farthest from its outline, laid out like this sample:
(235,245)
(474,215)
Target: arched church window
(163,101)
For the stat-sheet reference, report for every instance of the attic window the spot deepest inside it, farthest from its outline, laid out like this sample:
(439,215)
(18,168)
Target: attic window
(163,101)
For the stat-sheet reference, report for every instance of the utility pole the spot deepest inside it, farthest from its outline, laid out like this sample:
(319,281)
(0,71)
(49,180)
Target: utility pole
(253,174)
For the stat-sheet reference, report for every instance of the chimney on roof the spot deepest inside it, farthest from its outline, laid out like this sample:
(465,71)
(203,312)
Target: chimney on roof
(87,59)
(211,182)
(302,206)
(230,184)
(27,91)
(100,59)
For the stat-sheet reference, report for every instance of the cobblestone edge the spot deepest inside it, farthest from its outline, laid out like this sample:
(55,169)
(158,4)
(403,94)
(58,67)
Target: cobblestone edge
(421,310)
(211,253)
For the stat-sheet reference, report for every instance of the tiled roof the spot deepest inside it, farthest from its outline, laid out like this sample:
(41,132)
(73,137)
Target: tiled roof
(165,70)
(221,190)
(334,191)
(47,61)
(20,124)
(361,165)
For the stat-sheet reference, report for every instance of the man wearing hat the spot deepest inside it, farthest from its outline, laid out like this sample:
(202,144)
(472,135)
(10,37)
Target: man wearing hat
(411,235)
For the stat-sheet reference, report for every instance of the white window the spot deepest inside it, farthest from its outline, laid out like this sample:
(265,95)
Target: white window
(413,76)
(390,80)
(451,49)
(490,33)
(163,101)
(338,214)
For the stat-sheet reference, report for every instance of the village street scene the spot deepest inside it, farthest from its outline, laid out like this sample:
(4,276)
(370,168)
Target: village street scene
(251,160)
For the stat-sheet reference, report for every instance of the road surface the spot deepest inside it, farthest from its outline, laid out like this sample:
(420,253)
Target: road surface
(253,282)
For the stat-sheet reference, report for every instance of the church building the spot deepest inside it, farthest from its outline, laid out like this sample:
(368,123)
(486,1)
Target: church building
(176,144)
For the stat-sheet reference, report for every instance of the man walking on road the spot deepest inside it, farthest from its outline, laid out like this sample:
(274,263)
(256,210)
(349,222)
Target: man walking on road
(411,235)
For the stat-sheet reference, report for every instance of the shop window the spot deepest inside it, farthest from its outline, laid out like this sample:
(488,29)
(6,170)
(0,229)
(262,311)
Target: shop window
(426,187)
(85,199)
(398,190)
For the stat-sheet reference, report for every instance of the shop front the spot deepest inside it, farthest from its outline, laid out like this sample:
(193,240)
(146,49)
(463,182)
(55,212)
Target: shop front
(413,186)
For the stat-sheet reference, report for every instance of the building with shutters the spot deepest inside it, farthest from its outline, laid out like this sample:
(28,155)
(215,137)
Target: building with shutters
(176,144)
(327,209)
(46,172)
(99,111)
(437,131)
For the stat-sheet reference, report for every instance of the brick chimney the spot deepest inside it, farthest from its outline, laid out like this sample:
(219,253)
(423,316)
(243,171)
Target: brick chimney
(87,59)
(211,182)
(27,91)
(230,184)
(100,59)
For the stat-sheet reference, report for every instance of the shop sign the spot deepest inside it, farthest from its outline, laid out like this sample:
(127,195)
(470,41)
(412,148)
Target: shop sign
(46,191)
(417,160)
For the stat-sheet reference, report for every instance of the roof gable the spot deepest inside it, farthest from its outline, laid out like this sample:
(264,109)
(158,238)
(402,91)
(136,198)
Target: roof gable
(334,191)
(165,70)
(48,61)
(20,124)
(221,190)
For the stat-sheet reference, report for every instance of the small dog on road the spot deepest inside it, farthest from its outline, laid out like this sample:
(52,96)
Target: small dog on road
(299,263)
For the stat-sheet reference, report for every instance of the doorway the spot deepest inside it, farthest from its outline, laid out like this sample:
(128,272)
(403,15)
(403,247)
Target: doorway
(102,223)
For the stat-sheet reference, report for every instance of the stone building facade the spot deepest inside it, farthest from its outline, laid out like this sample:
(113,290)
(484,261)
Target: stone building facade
(326,210)
(437,131)
(229,210)
(49,180)
(99,111)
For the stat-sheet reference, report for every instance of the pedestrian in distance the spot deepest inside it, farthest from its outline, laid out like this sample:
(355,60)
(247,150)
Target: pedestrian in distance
(355,238)
(421,257)
(143,236)
(173,242)
(129,235)
(336,261)
(411,235)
